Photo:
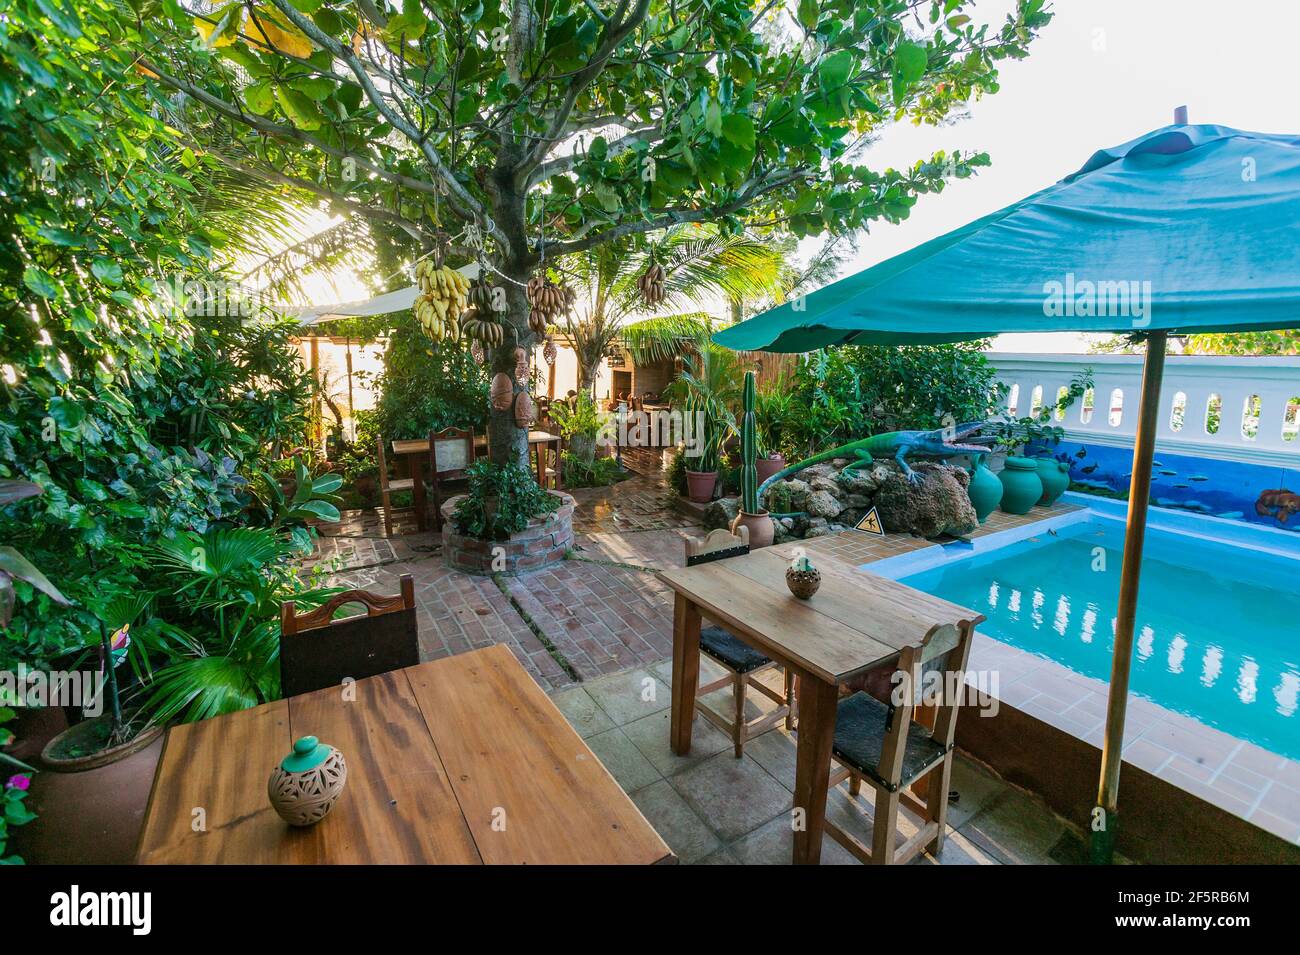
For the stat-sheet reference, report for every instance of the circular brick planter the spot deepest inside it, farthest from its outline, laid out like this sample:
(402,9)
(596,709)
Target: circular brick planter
(543,543)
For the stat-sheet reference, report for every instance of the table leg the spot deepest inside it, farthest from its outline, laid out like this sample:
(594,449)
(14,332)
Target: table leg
(686,673)
(559,471)
(817,703)
(421,504)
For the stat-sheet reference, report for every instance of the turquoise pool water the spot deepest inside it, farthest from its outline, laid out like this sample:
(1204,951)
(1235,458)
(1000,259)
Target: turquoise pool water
(1218,626)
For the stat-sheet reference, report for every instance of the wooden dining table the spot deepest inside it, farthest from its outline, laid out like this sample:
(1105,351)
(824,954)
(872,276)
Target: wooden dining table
(854,623)
(542,445)
(463,760)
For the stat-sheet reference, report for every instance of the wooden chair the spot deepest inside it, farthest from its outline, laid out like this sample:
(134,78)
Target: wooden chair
(451,451)
(387,487)
(741,661)
(317,651)
(888,747)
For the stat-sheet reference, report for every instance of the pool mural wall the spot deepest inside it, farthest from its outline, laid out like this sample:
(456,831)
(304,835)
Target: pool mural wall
(1268,495)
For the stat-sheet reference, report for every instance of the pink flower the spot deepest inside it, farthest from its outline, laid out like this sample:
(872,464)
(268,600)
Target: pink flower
(18,781)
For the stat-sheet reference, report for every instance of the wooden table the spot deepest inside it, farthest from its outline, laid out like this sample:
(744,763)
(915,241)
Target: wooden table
(856,621)
(416,450)
(462,760)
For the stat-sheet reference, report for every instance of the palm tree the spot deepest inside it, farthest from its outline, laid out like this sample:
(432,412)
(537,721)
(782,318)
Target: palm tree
(698,260)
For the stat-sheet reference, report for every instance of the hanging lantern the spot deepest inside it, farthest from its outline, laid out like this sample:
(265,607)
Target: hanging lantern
(549,351)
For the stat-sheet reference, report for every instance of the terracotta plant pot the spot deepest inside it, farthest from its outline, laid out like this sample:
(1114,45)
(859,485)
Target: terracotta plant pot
(700,485)
(761,529)
(74,750)
(766,467)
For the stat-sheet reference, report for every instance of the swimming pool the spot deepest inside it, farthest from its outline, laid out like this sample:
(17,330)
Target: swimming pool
(1218,624)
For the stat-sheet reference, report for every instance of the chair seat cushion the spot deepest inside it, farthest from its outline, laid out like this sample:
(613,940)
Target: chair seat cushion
(731,652)
(861,724)
(402,484)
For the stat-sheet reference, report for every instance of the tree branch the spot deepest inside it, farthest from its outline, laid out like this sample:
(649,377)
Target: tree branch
(462,201)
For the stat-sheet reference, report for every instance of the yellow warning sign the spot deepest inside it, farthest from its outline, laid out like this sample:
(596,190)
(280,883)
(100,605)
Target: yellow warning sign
(871,523)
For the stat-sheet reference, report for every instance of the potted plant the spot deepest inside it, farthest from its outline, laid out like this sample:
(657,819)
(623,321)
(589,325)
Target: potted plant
(500,500)
(772,409)
(707,388)
(751,515)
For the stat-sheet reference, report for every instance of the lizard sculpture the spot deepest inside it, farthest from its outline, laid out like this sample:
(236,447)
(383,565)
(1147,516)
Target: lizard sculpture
(939,443)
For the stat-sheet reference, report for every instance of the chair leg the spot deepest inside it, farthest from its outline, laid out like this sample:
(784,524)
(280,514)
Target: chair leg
(739,688)
(789,700)
(937,803)
(855,784)
(885,827)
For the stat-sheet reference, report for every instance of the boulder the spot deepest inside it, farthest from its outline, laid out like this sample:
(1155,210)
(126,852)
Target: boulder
(936,505)
(823,504)
(817,527)
(829,485)
(859,481)
(720,513)
(857,500)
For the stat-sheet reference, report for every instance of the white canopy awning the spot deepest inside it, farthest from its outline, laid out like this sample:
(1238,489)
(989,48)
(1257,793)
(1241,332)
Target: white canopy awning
(397,301)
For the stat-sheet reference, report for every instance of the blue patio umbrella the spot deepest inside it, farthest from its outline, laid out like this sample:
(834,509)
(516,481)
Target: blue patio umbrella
(1186,229)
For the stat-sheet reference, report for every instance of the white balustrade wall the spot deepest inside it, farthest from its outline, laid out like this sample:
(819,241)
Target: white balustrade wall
(1192,380)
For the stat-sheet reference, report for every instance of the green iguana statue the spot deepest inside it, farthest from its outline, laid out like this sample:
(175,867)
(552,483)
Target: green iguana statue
(939,443)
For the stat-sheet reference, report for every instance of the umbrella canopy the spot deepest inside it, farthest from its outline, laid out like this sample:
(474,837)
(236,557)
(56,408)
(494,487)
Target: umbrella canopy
(1185,229)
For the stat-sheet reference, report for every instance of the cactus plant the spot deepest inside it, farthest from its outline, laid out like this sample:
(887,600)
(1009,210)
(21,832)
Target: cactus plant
(748,450)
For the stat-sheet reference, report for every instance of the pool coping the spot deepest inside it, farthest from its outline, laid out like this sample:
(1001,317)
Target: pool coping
(1239,777)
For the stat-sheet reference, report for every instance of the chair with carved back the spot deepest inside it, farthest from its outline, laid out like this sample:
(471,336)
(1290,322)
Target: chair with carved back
(889,745)
(741,662)
(451,452)
(317,651)
(387,486)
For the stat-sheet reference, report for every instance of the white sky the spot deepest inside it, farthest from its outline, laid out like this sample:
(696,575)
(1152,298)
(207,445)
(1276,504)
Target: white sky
(1101,73)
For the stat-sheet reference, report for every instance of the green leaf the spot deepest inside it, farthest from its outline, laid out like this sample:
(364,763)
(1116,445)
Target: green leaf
(302,112)
(809,11)
(713,117)
(739,130)
(834,70)
(40,282)
(321,509)
(909,62)
(66,413)
(110,273)
(327,483)
(14,564)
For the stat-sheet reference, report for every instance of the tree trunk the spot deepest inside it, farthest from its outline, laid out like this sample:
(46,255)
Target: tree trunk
(507,441)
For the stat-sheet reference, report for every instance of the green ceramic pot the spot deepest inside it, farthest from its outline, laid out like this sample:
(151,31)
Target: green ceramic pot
(985,490)
(1055,476)
(1021,485)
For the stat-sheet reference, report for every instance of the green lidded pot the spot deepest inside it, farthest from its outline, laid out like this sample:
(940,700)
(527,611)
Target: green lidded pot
(308,782)
(984,490)
(1055,476)
(1021,485)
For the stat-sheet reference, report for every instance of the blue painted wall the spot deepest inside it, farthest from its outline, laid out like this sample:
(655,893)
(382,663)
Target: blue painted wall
(1254,493)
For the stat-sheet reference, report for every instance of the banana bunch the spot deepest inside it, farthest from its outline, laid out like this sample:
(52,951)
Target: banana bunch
(485,330)
(546,300)
(442,299)
(651,284)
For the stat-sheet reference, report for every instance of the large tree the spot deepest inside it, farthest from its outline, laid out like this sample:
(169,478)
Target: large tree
(552,127)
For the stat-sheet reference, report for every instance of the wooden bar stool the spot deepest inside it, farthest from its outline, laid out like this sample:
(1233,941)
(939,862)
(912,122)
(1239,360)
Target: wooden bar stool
(741,661)
(883,744)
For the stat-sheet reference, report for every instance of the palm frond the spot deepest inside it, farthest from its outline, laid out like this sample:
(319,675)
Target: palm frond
(666,336)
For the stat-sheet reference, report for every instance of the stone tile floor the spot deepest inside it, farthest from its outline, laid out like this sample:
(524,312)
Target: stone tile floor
(712,808)
(596,632)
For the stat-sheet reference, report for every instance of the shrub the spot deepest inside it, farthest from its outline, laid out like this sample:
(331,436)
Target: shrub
(426,388)
(500,500)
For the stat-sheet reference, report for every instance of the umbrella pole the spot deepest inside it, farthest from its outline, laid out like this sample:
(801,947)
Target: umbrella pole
(1105,816)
